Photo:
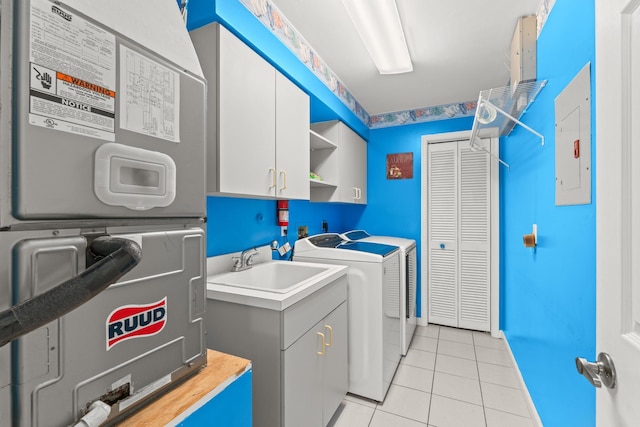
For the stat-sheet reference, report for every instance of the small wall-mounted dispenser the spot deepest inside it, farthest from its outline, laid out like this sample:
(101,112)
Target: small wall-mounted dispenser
(531,240)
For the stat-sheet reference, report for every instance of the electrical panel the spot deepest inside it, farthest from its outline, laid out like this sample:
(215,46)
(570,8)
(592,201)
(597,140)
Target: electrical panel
(573,141)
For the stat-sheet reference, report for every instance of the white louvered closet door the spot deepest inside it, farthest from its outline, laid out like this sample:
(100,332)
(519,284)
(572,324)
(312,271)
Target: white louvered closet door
(458,223)
(442,199)
(474,244)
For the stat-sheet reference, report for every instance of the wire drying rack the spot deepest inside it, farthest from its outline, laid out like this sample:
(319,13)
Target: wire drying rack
(502,108)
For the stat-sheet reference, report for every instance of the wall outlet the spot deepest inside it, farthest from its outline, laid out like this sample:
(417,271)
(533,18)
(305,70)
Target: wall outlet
(303,231)
(283,231)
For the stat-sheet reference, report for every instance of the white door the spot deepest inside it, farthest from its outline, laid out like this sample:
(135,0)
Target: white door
(474,236)
(442,222)
(618,206)
(459,235)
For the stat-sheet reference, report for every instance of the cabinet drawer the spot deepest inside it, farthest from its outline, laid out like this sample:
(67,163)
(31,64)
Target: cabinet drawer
(302,316)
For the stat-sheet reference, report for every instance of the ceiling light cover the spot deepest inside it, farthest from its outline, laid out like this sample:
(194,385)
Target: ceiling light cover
(378,23)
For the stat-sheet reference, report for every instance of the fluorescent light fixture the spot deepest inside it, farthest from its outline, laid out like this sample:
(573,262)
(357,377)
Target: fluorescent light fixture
(378,24)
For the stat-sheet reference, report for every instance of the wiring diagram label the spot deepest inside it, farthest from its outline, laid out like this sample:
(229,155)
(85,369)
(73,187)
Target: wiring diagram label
(149,96)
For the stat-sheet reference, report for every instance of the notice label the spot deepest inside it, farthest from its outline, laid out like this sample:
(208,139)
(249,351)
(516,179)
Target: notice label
(73,73)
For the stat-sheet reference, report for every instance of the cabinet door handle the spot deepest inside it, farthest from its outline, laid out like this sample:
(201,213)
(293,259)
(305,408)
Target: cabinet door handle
(273,178)
(330,335)
(355,192)
(359,193)
(283,174)
(320,353)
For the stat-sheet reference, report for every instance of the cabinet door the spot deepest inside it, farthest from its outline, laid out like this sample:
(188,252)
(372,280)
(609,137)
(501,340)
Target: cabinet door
(246,120)
(303,379)
(353,171)
(335,370)
(360,169)
(292,140)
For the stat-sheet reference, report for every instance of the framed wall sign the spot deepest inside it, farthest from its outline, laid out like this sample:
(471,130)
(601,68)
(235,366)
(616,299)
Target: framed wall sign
(400,166)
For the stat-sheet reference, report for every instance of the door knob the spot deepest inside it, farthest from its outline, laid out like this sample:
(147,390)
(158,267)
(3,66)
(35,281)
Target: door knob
(601,372)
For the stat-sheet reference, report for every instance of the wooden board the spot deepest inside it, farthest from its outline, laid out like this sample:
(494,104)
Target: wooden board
(220,367)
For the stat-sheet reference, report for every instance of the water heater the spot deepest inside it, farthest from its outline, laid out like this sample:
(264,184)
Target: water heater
(102,133)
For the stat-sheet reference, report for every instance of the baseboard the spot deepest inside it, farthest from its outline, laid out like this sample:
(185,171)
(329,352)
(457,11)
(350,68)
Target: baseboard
(532,408)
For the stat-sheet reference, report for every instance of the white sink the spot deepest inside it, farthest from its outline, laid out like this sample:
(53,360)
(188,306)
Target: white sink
(279,277)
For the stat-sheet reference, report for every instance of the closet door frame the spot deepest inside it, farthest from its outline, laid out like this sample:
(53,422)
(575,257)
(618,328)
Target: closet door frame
(492,135)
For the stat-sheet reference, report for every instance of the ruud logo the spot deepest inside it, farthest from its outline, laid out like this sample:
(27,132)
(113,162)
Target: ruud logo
(62,13)
(136,321)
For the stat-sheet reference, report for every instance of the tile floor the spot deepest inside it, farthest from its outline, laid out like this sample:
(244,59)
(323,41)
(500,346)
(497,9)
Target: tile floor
(449,378)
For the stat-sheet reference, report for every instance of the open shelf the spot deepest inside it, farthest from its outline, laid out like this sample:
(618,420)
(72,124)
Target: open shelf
(320,184)
(319,142)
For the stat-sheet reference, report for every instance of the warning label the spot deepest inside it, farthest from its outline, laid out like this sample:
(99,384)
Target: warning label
(59,98)
(73,73)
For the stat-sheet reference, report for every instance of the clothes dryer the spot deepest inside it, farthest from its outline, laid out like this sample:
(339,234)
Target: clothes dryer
(373,307)
(408,279)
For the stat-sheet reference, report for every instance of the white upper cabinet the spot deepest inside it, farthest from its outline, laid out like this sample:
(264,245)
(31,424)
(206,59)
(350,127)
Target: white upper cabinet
(257,128)
(246,106)
(339,158)
(354,161)
(292,140)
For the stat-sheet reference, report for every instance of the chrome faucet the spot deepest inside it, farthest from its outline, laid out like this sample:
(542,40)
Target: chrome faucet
(245,260)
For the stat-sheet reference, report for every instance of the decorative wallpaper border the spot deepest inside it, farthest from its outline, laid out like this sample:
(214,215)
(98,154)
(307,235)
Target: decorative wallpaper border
(273,19)
(425,114)
(543,13)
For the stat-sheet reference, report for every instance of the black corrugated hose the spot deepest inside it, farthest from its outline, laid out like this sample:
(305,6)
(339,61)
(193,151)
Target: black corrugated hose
(120,256)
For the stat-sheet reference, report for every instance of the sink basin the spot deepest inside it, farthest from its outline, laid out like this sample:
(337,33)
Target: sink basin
(276,276)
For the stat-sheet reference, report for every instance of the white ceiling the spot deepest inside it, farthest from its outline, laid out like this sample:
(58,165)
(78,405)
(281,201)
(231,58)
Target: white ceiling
(458,48)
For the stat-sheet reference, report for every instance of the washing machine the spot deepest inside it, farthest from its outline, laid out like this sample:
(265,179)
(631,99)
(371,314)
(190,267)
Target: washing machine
(408,279)
(373,306)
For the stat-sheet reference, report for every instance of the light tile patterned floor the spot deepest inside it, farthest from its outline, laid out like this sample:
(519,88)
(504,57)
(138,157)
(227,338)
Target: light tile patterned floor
(449,378)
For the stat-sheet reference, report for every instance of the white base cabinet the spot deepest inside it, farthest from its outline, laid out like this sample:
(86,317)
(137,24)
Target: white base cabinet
(257,121)
(315,375)
(299,355)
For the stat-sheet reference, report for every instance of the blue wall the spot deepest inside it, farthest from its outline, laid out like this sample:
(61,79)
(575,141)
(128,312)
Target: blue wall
(393,206)
(235,224)
(548,296)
